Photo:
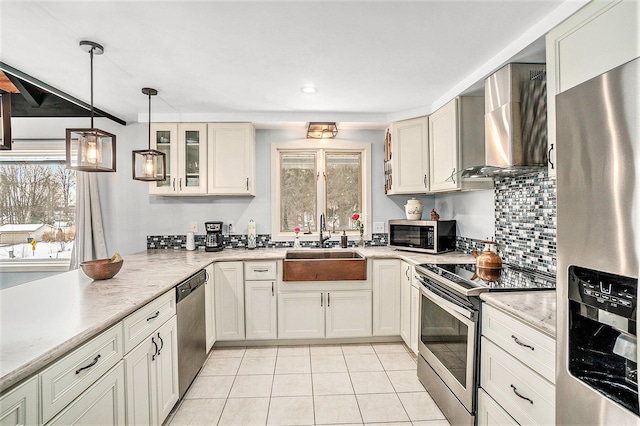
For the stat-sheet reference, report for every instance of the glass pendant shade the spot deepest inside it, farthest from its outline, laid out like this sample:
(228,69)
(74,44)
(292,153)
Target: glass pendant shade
(322,131)
(91,150)
(149,165)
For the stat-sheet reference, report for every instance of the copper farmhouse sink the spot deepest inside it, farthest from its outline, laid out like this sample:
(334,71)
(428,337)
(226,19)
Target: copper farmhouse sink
(324,265)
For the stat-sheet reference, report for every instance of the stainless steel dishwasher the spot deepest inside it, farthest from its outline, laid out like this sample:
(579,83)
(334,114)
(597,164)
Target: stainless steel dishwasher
(192,350)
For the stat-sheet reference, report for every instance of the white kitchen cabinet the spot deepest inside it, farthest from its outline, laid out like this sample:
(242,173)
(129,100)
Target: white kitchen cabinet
(228,279)
(599,37)
(516,370)
(348,314)
(260,309)
(185,145)
(210,316)
(409,157)
(405,302)
(386,297)
(301,315)
(415,315)
(456,141)
(152,376)
(20,405)
(102,404)
(317,314)
(490,413)
(231,159)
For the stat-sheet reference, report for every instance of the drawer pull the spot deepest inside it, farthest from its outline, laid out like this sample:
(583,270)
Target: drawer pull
(261,270)
(154,316)
(521,344)
(94,362)
(155,353)
(519,395)
(161,343)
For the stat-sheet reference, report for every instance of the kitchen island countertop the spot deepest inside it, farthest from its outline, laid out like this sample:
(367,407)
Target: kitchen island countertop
(43,320)
(536,308)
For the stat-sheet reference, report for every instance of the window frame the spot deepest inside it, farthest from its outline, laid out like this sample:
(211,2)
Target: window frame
(24,150)
(320,147)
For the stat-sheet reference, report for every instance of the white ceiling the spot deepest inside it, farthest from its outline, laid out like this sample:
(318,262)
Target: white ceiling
(371,61)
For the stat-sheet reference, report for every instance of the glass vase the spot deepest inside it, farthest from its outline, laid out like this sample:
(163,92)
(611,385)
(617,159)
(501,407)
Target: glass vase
(296,243)
(361,241)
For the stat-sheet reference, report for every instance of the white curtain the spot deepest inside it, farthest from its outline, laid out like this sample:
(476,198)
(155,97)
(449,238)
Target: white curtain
(89,243)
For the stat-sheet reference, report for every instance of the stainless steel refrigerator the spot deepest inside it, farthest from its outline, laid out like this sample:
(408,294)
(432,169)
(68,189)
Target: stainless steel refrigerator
(598,242)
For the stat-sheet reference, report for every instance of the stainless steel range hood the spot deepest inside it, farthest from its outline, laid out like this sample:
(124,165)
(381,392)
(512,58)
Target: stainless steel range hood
(515,122)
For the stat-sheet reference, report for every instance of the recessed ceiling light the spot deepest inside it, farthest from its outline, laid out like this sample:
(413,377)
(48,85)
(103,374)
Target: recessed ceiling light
(309,89)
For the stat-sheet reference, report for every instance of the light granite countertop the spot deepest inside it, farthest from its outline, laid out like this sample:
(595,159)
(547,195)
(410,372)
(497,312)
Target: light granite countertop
(536,308)
(43,320)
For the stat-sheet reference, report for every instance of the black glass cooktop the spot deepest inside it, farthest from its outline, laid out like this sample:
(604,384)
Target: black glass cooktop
(507,278)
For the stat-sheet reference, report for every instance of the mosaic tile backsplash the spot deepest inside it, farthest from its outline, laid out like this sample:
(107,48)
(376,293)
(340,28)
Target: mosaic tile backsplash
(526,221)
(178,242)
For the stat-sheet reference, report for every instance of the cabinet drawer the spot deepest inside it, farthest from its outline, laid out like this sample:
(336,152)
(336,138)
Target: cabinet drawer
(525,395)
(532,347)
(490,413)
(260,270)
(67,378)
(140,324)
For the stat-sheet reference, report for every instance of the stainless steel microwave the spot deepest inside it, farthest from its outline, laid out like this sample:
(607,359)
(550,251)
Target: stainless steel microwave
(426,236)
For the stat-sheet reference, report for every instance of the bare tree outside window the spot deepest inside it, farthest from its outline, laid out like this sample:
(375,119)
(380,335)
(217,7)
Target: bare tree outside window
(298,191)
(36,193)
(344,188)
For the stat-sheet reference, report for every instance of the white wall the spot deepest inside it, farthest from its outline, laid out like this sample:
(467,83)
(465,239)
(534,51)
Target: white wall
(130,213)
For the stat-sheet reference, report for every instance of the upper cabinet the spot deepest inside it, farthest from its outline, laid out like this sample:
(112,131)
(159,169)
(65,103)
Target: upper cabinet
(407,157)
(205,159)
(599,37)
(232,159)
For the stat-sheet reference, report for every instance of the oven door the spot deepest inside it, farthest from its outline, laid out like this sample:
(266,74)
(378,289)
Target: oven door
(448,341)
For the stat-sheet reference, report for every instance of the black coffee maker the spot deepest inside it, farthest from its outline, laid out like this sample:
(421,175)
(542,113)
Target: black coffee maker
(213,241)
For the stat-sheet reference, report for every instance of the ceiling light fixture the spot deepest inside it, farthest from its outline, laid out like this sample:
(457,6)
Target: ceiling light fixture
(322,131)
(309,89)
(149,165)
(91,150)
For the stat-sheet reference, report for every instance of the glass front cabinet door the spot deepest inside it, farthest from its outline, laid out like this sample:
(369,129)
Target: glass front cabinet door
(185,146)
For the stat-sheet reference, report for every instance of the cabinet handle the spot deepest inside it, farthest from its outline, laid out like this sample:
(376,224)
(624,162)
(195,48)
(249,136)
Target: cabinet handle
(453,175)
(247,184)
(520,395)
(174,184)
(553,166)
(406,273)
(161,343)
(321,299)
(328,299)
(180,184)
(261,270)
(155,352)
(94,362)
(206,277)
(154,316)
(522,344)
(425,181)
(272,293)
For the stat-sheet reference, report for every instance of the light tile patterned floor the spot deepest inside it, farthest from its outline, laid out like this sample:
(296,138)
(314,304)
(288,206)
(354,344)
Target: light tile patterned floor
(352,384)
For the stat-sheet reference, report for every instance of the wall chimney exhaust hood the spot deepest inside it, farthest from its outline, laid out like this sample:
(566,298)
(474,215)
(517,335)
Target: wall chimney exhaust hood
(515,122)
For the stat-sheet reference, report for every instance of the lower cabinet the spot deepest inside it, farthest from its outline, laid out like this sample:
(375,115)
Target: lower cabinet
(152,377)
(20,405)
(386,297)
(490,413)
(415,316)
(260,309)
(228,281)
(102,404)
(405,302)
(324,314)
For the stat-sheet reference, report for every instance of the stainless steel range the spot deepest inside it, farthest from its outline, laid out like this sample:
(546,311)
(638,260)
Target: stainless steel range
(450,329)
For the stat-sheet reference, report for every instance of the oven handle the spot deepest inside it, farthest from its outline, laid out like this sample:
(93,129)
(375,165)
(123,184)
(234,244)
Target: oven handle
(446,301)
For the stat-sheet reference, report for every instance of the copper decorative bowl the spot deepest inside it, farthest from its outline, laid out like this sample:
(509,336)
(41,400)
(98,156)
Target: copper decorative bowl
(101,269)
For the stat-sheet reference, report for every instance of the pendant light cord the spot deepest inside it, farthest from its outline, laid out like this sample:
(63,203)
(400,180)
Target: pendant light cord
(149,139)
(91,55)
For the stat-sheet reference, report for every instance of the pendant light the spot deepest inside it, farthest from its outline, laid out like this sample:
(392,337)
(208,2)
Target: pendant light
(91,150)
(149,165)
